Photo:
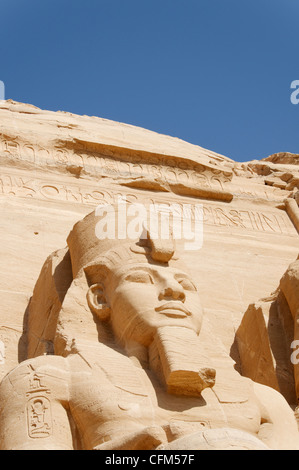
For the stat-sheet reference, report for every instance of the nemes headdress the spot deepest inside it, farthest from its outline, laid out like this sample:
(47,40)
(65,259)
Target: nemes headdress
(92,245)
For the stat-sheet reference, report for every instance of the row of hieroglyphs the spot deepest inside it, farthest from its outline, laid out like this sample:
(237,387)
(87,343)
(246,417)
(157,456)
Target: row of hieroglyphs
(111,163)
(37,188)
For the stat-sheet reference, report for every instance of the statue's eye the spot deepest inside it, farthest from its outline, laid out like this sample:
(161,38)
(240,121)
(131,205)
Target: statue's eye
(186,283)
(139,276)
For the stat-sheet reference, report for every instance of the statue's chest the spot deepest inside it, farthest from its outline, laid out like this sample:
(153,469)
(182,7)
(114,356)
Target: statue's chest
(110,403)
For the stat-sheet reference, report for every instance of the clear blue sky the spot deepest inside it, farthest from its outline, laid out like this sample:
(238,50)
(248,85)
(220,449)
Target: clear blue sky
(216,73)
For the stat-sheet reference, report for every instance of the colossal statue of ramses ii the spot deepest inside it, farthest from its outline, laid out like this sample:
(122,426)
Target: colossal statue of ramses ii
(120,357)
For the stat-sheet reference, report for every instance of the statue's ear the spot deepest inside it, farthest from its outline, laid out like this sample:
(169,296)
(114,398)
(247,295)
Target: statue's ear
(97,302)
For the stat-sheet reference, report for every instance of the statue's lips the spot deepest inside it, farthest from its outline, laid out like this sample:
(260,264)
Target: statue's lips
(173,309)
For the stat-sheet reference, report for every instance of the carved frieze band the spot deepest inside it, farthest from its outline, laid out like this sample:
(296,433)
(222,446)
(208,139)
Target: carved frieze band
(20,185)
(110,163)
(77,157)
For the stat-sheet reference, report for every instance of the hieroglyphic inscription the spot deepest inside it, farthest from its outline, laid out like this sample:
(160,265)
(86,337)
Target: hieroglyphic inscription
(39,417)
(21,186)
(38,407)
(270,193)
(26,187)
(111,164)
(261,221)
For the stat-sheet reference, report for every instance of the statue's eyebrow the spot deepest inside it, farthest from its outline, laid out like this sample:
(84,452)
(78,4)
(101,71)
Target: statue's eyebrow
(155,272)
(181,276)
(139,268)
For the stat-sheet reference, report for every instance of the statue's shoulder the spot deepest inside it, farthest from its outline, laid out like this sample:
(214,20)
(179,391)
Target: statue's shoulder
(37,374)
(34,399)
(39,363)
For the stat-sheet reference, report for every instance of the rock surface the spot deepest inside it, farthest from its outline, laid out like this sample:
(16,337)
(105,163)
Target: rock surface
(56,168)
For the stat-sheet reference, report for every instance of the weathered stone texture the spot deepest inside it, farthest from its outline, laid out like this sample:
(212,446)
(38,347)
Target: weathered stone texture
(211,367)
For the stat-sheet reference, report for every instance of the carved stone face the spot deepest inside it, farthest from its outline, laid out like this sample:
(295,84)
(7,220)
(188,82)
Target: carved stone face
(144,297)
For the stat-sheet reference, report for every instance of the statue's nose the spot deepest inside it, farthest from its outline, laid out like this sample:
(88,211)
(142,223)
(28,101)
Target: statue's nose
(172,290)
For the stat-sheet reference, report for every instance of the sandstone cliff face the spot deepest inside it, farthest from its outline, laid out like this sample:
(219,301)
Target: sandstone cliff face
(58,167)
